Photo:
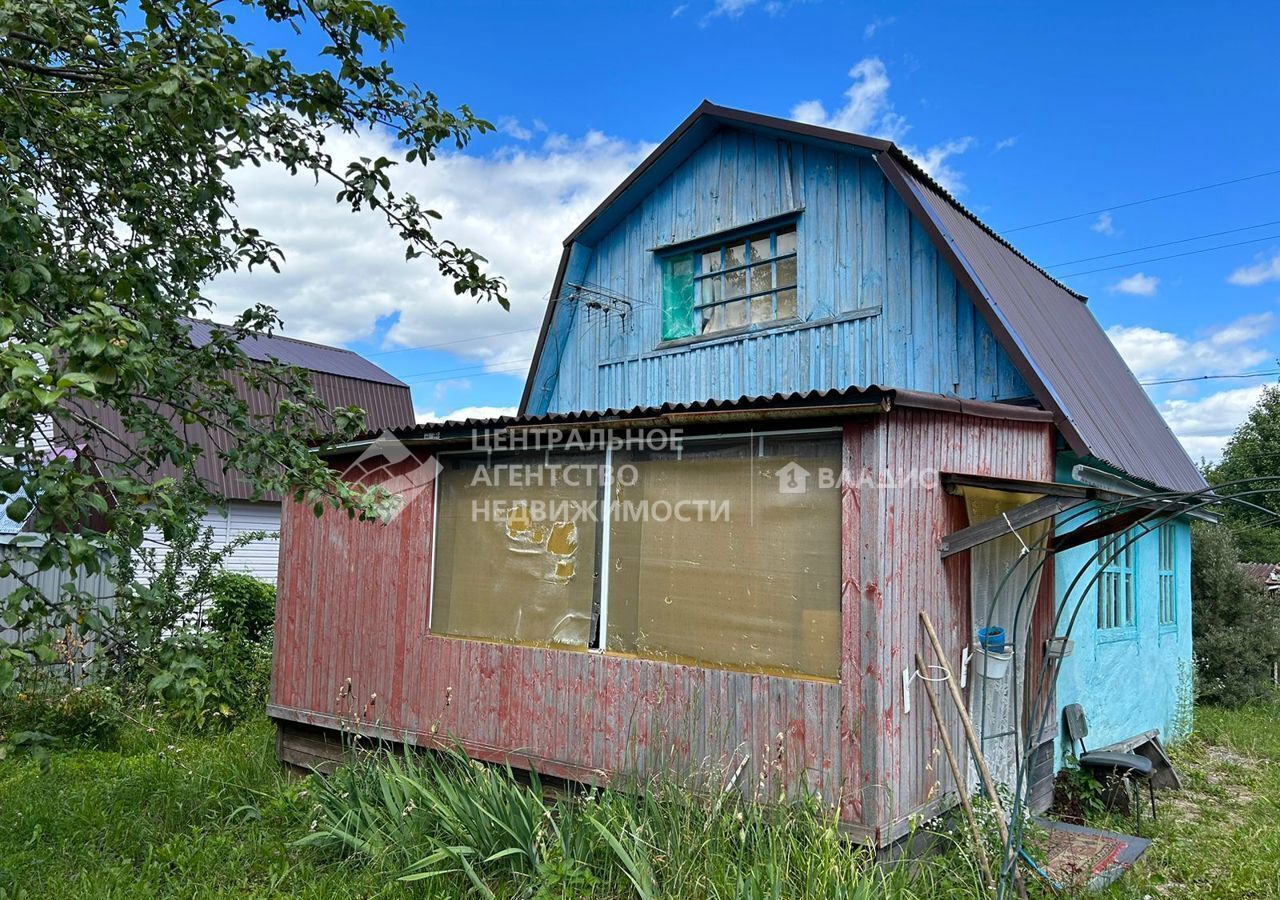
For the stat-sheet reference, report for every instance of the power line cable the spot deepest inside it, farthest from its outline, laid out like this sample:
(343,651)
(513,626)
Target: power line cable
(1131,203)
(479,337)
(1141,262)
(1211,377)
(1199,237)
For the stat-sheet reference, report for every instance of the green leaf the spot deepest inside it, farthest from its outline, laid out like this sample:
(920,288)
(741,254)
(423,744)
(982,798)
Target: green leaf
(78,380)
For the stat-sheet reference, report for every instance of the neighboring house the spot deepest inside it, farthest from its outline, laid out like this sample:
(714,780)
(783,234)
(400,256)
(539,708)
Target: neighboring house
(341,378)
(1265,575)
(880,388)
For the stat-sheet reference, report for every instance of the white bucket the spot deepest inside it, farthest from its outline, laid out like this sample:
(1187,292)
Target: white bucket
(990,664)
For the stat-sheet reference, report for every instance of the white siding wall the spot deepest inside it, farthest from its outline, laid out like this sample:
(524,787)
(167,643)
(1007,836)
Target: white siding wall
(258,558)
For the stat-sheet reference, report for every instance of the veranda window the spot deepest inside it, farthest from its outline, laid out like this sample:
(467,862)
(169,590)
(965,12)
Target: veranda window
(753,583)
(722,553)
(515,552)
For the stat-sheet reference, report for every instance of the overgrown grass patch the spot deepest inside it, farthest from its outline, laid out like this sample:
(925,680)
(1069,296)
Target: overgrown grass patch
(213,815)
(1220,836)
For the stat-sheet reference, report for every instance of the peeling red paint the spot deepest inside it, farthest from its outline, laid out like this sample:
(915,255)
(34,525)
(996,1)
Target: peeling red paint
(355,597)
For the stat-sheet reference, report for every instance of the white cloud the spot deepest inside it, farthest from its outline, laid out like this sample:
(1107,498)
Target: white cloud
(1206,424)
(1138,284)
(345,273)
(510,125)
(729,9)
(934,161)
(1203,424)
(466,412)
(876,24)
(1153,354)
(1005,143)
(1104,225)
(868,110)
(676,13)
(1262,271)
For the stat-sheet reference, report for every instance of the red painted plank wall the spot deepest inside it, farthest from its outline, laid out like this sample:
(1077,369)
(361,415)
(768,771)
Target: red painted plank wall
(917,514)
(353,648)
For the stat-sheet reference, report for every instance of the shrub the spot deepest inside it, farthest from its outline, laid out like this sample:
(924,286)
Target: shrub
(86,714)
(241,604)
(206,679)
(1235,623)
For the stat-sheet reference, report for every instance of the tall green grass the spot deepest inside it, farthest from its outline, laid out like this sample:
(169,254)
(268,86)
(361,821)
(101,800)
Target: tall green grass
(476,829)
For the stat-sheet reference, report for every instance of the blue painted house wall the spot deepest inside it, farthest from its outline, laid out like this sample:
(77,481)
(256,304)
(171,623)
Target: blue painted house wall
(877,303)
(1128,680)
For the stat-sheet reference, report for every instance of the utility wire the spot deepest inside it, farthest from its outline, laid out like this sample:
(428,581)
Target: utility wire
(509,366)
(1211,377)
(1199,237)
(1139,262)
(1094,212)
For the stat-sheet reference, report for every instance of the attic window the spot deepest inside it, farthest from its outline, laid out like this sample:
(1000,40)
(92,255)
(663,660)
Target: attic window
(746,281)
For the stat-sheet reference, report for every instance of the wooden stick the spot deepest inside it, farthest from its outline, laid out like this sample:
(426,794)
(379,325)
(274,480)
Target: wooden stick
(974,745)
(979,844)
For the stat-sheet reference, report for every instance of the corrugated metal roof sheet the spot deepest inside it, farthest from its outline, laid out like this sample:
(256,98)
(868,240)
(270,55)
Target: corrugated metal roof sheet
(1103,411)
(793,405)
(1062,352)
(386,401)
(306,355)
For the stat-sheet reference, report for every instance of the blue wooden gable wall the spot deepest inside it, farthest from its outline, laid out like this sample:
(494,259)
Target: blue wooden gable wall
(878,305)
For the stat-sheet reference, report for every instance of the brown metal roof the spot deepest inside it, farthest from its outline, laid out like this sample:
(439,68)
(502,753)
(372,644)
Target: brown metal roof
(811,404)
(386,401)
(304,354)
(1048,331)
(1057,344)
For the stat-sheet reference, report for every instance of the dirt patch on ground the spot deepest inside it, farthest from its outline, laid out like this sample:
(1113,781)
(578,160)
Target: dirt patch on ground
(1227,757)
(1224,796)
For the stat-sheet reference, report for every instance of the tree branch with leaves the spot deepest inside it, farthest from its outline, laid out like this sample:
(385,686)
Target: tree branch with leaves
(121,128)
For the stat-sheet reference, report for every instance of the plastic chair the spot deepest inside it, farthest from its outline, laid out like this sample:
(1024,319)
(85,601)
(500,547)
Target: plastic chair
(1107,762)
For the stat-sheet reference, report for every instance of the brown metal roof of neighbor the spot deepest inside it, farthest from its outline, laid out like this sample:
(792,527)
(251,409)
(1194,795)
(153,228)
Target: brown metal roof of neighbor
(340,378)
(304,354)
(1047,329)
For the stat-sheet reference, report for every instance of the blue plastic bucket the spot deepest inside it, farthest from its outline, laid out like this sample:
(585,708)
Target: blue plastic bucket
(991,639)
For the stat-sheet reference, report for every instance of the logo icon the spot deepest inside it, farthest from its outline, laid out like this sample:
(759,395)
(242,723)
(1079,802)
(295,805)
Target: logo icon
(793,478)
(390,466)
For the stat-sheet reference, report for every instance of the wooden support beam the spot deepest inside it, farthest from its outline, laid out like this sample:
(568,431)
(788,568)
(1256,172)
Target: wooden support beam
(1021,517)
(979,841)
(1094,530)
(954,482)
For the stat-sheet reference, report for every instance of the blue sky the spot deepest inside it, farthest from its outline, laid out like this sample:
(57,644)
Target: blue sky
(1030,112)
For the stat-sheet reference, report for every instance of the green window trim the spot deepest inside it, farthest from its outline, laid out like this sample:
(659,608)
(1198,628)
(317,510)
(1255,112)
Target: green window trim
(727,285)
(677,297)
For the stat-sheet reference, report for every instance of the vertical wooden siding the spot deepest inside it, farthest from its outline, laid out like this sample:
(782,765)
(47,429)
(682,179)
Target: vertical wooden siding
(354,604)
(917,514)
(353,651)
(893,312)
